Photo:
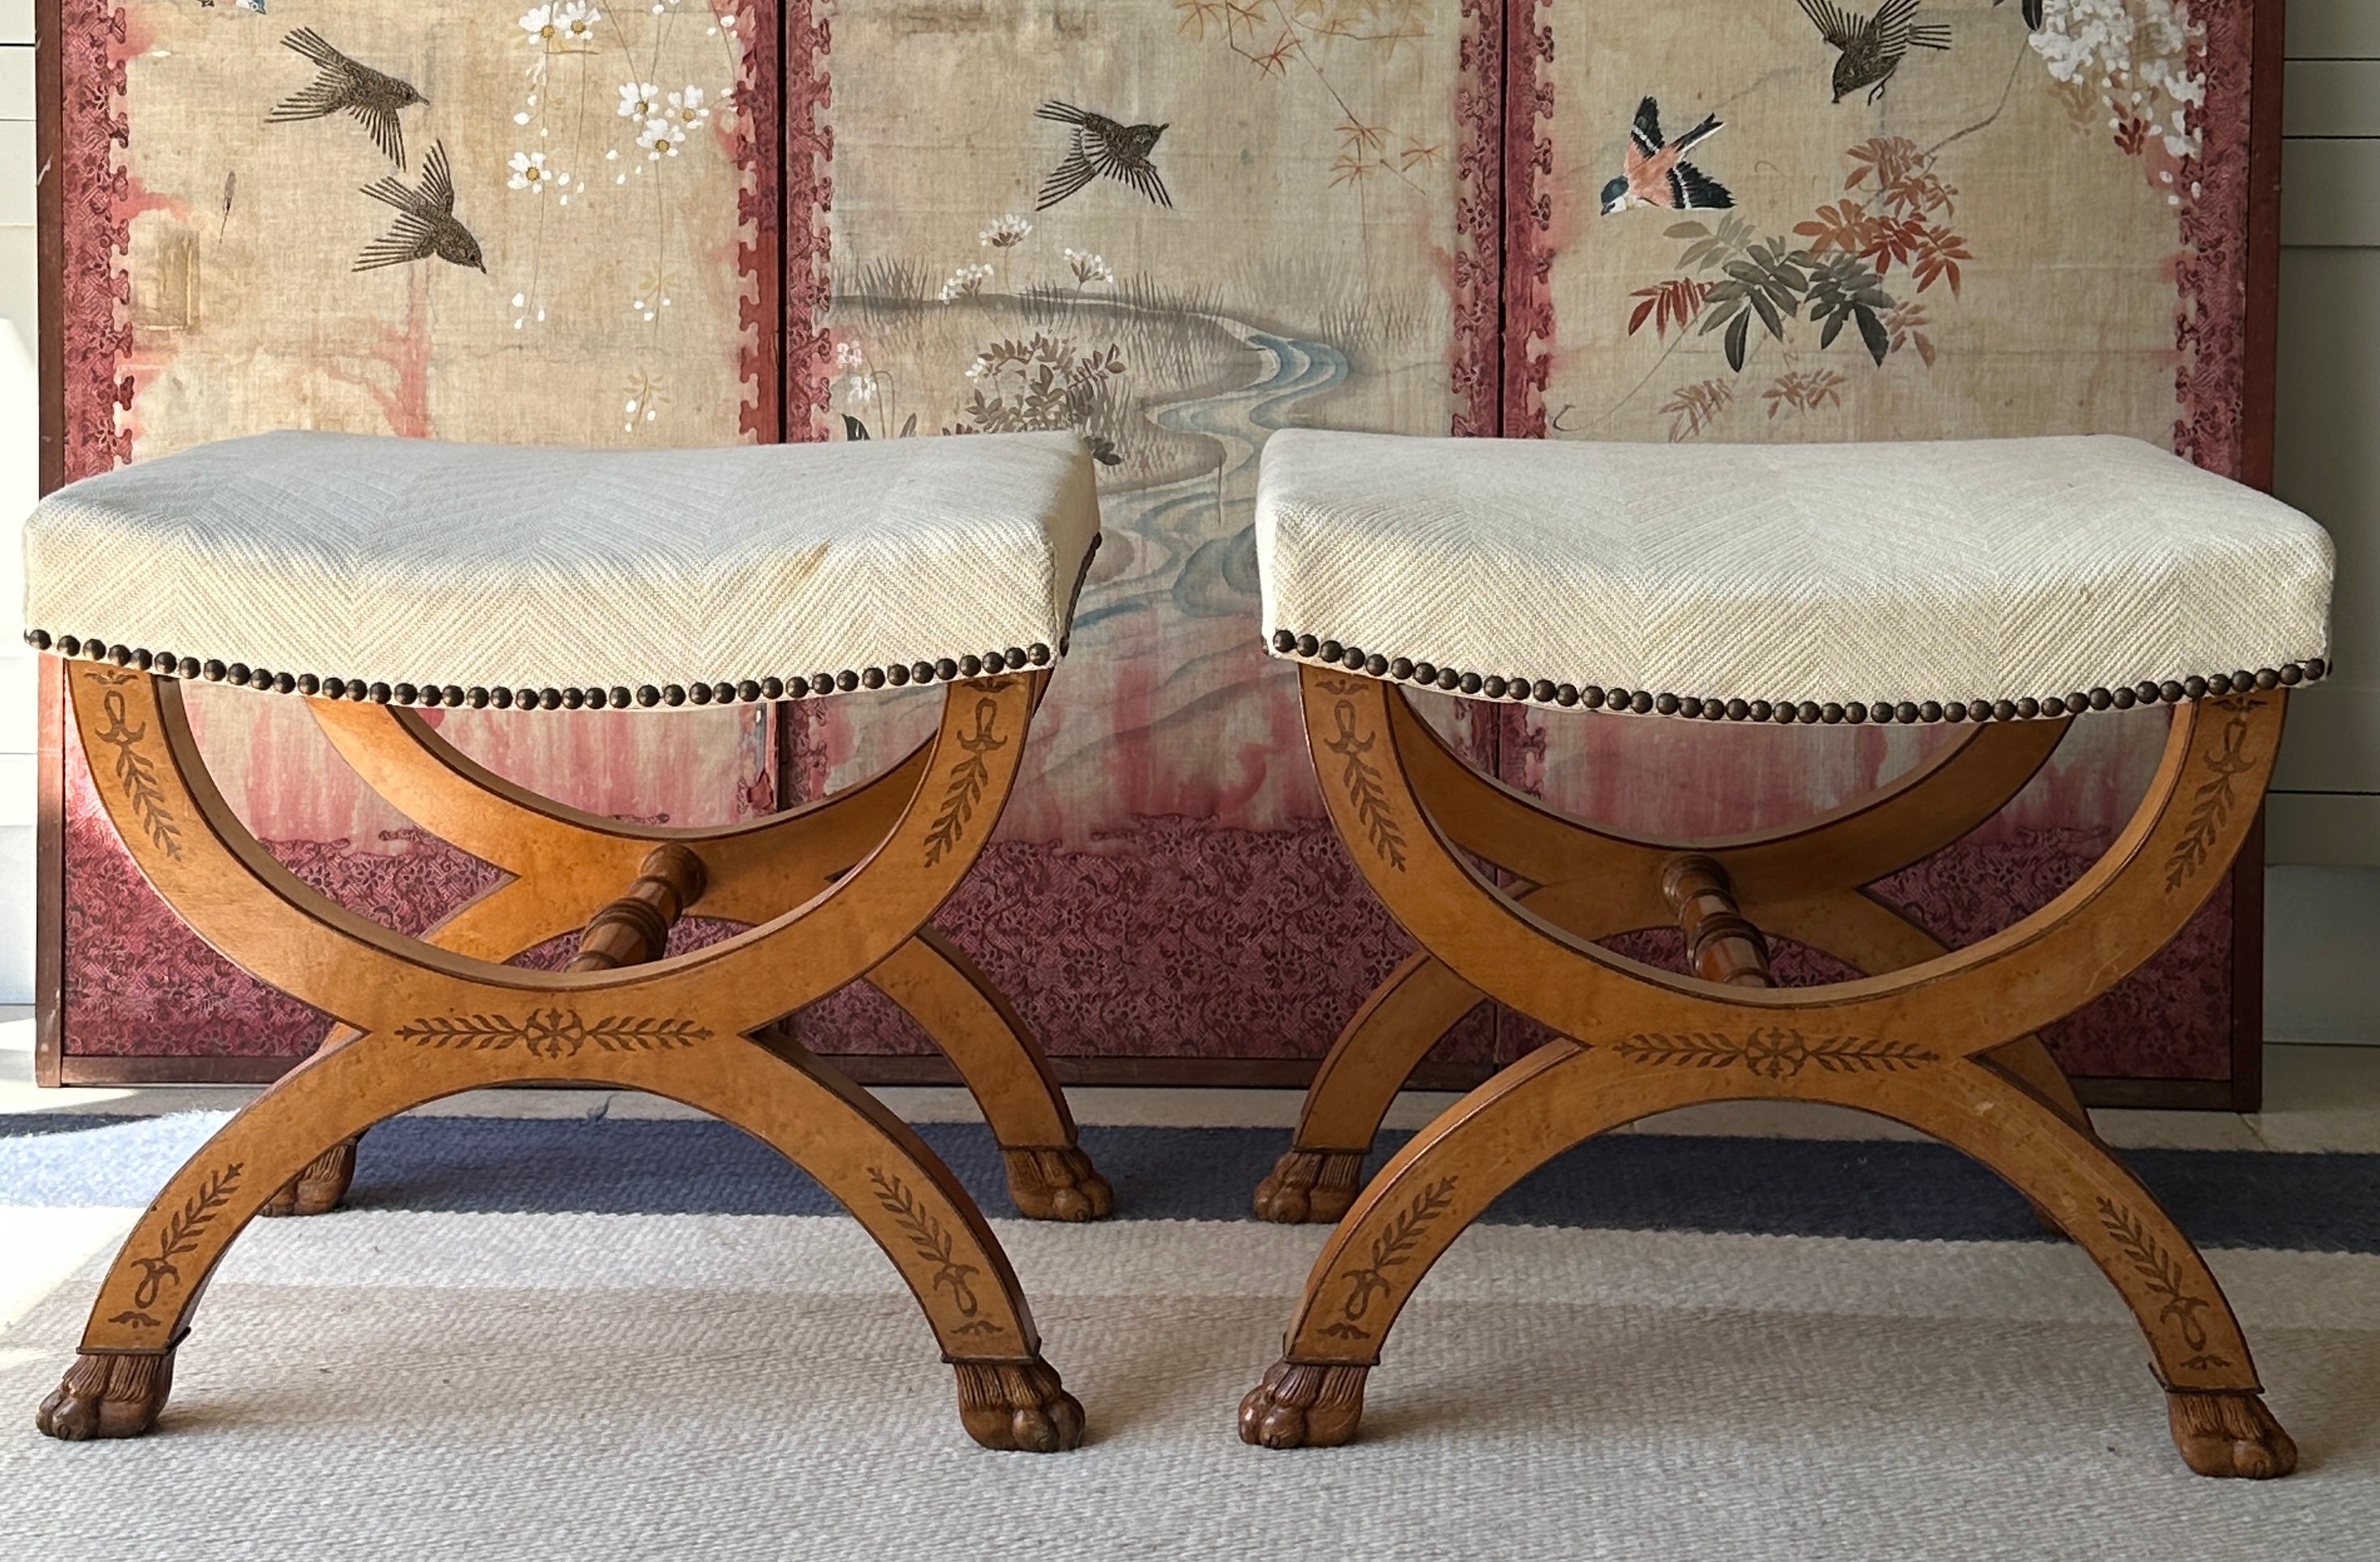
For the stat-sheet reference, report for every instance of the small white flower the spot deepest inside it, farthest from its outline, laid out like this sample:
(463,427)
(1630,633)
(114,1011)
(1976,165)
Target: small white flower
(639,100)
(686,108)
(1007,233)
(530,172)
(848,356)
(538,23)
(659,139)
(966,282)
(979,368)
(1089,266)
(861,389)
(577,21)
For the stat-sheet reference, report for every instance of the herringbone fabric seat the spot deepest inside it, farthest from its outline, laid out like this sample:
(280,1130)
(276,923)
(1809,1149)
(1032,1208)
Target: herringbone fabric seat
(491,574)
(1912,581)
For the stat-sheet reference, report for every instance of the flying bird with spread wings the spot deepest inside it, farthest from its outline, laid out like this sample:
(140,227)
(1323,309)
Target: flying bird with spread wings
(1873,47)
(1656,172)
(425,224)
(340,84)
(1103,148)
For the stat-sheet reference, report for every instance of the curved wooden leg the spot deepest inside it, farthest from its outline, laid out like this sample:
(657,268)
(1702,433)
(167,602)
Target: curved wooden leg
(1315,1178)
(874,1164)
(1566,1093)
(982,1034)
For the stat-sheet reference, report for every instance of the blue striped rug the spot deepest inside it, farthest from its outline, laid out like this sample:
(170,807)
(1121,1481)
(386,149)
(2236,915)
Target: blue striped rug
(1883,1190)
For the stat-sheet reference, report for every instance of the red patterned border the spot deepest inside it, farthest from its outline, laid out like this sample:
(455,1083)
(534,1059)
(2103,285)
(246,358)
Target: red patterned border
(1476,360)
(809,239)
(97,289)
(758,208)
(2211,275)
(1529,221)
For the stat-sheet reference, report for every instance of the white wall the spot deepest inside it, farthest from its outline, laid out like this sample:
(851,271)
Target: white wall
(2326,807)
(18,433)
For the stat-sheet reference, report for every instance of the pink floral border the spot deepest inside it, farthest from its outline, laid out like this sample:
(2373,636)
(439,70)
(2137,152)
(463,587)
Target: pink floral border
(1529,221)
(1475,363)
(2211,274)
(809,239)
(92,133)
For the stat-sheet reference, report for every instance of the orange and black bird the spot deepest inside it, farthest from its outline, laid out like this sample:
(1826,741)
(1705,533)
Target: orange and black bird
(1873,47)
(425,223)
(1656,173)
(1102,146)
(340,83)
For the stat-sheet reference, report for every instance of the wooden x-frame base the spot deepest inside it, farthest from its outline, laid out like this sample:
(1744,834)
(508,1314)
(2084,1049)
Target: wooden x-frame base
(836,892)
(1943,1041)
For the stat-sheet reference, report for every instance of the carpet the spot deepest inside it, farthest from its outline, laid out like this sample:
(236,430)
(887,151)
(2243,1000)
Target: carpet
(639,1338)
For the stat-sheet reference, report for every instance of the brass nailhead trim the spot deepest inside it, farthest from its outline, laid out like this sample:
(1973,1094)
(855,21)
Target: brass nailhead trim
(948,669)
(1592,697)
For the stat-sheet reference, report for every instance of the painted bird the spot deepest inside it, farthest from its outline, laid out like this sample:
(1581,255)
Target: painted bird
(425,224)
(1873,47)
(1657,174)
(2032,12)
(341,84)
(1102,146)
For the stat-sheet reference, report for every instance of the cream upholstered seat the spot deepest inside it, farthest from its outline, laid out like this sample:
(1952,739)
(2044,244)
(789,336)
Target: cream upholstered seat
(1912,581)
(442,573)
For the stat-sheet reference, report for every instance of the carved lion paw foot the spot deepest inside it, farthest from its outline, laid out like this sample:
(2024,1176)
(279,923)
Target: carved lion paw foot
(1058,1183)
(1022,1406)
(107,1394)
(1298,1406)
(318,1189)
(1313,1185)
(2229,1435)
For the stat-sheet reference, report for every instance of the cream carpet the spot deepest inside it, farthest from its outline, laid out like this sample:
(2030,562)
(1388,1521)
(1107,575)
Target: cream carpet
(453,1384)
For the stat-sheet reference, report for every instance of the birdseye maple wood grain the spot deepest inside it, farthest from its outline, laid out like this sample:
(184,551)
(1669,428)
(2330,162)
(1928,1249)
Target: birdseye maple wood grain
(1944,1040)
(838,891)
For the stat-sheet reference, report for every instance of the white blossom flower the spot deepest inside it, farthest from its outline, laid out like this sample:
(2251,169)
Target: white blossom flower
(861,389)
(687,109)
(966,282)
(538,23)
(660,138)
(1089,266)
(531,174)
(577,21)
(848,356)
(1006,233)
(980,367)
(639,100)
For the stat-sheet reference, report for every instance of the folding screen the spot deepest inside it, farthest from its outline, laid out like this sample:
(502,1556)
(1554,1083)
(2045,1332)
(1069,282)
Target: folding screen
(1172,225)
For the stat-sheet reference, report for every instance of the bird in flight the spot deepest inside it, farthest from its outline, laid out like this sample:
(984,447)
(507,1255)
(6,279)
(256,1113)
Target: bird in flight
(425,224)
(1102,146)
(1873,47)
(2033,12)
(340,83)
(1656,173)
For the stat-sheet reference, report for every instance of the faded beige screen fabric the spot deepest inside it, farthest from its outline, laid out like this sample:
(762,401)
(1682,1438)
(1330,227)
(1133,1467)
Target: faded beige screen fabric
(1970,571)
(396,561)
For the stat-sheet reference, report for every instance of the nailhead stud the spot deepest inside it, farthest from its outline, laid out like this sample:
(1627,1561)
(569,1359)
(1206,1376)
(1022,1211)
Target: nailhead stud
(1493,687)
(1309,646)
(1401,668)
(1283,641)
(2028,708)
(1566,695)
(1758,709)
(2291,675)
(1376,665)
(1425,672)
(40,638)
(1640,702)
(2315,667)
(574,699)
(1811,711)
(2169,691)
(872,678)
(2101,698)
(1855,712)
(897,675)
(700,693)
(1039,654)
(1469,683)
(2122,698)
(1667,704)
(648,696)
(1016,659)
(1592,697)
(968,667)
(2267,678)
(2219,683)
(947,669)
(1329,649)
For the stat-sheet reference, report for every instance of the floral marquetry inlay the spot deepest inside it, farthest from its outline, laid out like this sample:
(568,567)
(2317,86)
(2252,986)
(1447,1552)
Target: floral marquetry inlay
(553,1032)
(1775,1052)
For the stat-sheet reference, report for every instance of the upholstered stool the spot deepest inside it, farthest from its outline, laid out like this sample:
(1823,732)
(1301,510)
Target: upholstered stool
(2008,587)
(370,574)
